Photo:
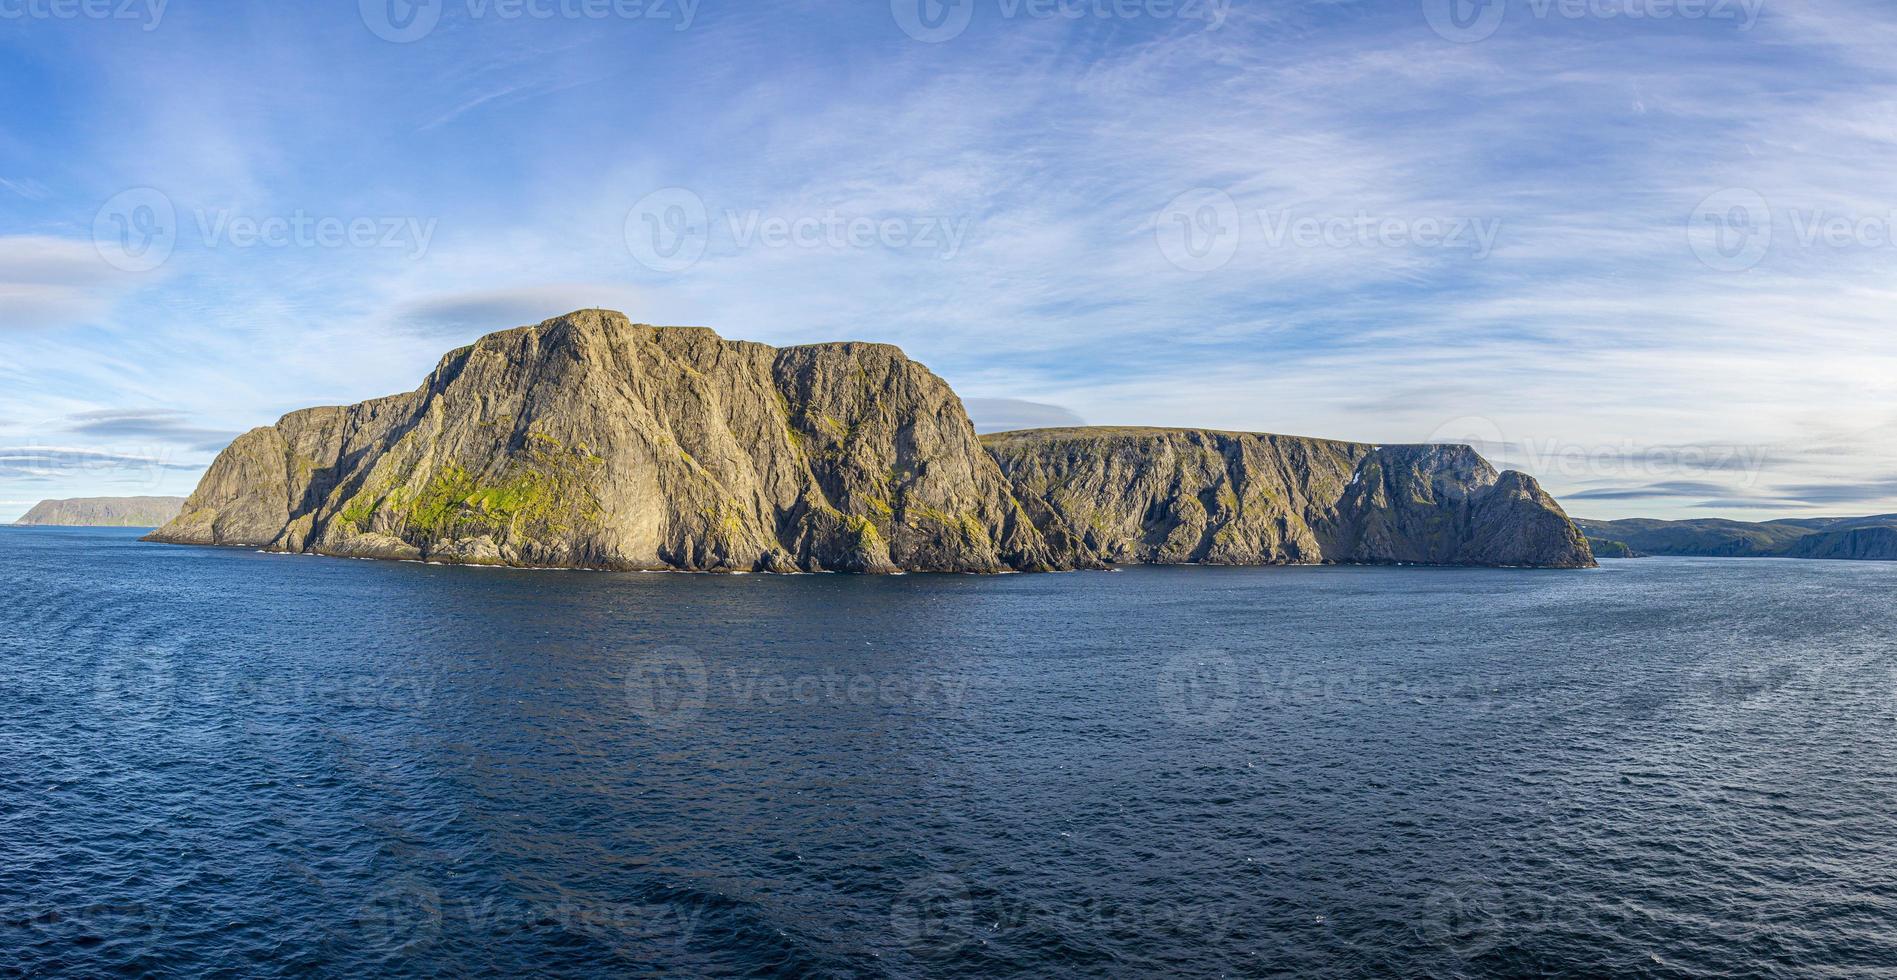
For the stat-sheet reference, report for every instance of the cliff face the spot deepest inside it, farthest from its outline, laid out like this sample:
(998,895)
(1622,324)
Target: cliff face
(104,512)
(1844,538)
(1189,495)
(1852,544)
(590,441)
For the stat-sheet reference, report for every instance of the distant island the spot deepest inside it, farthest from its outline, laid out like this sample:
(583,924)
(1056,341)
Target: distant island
(104,512)
(591,441)
(1846,538)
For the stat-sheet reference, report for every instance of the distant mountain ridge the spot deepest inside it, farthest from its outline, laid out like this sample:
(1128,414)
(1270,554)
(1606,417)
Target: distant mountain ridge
(1844,538)
(104,512)
(592,441)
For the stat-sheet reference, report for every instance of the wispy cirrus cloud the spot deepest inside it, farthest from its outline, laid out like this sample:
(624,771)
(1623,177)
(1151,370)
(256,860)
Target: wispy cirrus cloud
(161,425)
(47,281)
(486,310)
(1007,414)
(1860,492)
(1588,324)
(51,463)
(1673,488)
(27,188)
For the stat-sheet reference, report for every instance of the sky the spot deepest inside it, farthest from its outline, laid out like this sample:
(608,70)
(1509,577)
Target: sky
(1640,249)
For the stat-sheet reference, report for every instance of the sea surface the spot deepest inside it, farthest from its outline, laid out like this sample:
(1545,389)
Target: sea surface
(219,762)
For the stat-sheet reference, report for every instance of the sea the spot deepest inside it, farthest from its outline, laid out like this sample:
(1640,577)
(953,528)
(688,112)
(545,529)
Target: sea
(218,762)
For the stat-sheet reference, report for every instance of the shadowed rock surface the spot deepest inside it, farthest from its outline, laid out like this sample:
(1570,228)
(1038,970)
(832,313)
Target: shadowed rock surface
(1123,495)
(591,441)
(104,512)
(1608,548)
(1850,544)
(1844,538)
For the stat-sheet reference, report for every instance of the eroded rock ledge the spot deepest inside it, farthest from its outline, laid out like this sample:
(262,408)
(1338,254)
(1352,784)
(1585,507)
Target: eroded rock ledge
(591,441)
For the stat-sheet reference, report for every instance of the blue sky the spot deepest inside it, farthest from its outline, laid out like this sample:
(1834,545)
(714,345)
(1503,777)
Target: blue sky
(1642,249)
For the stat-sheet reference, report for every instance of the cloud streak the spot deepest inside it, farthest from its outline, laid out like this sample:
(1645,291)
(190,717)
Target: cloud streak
(1592,325)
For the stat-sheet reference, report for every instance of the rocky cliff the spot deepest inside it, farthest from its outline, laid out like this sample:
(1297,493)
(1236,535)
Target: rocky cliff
(1188,495)
(104,512)
(1851,544)
(1845,538)
(591,441)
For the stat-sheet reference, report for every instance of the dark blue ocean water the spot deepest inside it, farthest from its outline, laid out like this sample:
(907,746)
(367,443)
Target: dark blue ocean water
(217,761)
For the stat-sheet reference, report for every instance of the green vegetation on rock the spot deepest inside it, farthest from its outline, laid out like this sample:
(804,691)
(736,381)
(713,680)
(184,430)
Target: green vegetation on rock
(589,440)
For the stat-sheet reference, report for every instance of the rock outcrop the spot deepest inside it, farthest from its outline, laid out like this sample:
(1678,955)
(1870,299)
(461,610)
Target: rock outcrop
(1122,495)
(1843,538)
(104,512)
(1851,544)
(591,441)
(1608,548)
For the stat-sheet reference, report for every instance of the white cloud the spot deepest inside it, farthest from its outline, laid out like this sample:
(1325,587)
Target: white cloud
(51,282)
(1592,325)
